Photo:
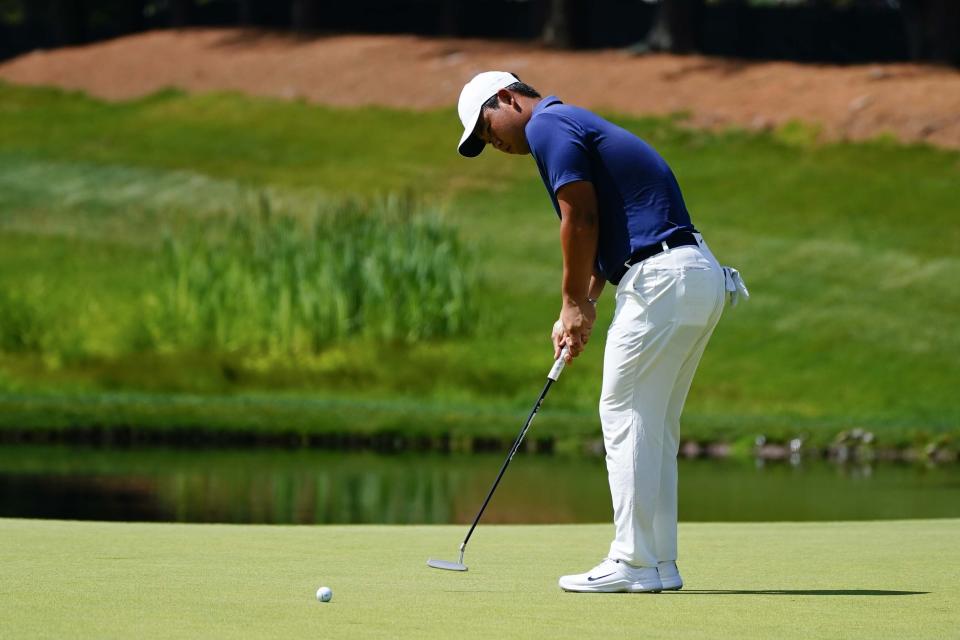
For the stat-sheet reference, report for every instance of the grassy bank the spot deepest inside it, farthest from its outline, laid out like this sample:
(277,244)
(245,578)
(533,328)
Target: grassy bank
(847,249)
(788,580)
(357,421)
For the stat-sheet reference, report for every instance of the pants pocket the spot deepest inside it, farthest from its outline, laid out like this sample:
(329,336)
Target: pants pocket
(697,293)
(653,283)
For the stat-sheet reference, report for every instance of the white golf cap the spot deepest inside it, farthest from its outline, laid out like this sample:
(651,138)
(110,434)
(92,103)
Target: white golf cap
(483,86)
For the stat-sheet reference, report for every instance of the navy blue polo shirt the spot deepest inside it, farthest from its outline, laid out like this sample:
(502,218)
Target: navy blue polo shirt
(638,196)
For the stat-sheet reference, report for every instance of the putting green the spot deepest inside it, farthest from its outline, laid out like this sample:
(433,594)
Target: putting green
(784,580)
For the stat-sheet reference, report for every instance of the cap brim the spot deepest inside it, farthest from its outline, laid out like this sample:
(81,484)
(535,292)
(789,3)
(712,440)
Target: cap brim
(470,145)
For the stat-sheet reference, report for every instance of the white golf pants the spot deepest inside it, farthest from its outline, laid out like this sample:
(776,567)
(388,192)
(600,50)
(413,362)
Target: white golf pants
(666,309)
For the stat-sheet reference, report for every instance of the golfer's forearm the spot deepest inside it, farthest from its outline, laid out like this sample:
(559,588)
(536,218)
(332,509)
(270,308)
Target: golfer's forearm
(578,238)
(596,286)
(579,231)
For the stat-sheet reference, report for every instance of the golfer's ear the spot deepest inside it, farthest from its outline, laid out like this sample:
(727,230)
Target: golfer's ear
(505,97)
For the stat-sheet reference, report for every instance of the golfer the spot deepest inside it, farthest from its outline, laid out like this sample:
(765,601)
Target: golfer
(622,221)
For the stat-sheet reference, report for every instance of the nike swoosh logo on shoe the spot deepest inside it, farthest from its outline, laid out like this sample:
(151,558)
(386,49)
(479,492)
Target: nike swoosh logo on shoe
(591,579)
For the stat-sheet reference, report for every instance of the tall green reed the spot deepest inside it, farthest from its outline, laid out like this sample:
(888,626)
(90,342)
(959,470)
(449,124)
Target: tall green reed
(33,324)
(23,326)
(278,283)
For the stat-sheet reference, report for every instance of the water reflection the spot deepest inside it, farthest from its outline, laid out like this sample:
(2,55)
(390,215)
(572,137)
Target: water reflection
(323,487)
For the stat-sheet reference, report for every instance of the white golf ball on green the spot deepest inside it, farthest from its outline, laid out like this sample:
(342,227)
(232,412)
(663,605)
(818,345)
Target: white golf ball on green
(324,594)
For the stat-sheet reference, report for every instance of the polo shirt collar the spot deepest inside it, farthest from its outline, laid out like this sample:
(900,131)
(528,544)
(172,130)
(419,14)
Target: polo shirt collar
(546,102)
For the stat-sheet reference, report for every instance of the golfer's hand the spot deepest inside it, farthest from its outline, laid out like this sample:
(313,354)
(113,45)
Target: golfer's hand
(557,338)
(577,320)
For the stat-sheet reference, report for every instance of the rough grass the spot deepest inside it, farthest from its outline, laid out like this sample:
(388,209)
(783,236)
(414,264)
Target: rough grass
(847,249)
(274,284)
(784,580)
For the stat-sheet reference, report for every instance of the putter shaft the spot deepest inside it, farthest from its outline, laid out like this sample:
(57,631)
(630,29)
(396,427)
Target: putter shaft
(551,378)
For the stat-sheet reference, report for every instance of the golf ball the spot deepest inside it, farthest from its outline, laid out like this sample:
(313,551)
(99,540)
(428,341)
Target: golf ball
(324,594)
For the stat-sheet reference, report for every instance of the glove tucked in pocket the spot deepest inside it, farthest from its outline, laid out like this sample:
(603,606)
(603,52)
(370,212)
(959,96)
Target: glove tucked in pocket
(734,285)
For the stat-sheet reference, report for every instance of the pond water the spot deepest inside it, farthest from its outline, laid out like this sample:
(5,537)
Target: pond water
(344,487)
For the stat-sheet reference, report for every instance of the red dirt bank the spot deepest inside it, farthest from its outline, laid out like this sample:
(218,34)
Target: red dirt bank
(912,102)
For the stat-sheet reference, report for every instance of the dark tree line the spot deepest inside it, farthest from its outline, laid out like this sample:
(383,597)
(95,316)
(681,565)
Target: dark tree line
(930,28)
(933,29)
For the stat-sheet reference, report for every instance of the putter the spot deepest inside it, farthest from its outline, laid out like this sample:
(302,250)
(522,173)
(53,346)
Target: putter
(551,378)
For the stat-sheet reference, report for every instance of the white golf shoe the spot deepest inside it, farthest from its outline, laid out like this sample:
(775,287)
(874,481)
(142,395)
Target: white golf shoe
(613,576)
(670,576)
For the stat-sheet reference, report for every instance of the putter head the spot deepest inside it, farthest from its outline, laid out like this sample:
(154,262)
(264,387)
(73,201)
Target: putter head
(445,564)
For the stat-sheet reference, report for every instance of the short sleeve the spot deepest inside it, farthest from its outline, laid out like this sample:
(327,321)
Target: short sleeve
(558,143)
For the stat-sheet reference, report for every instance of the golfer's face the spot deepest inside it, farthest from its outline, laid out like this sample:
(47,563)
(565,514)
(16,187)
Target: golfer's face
(503,129)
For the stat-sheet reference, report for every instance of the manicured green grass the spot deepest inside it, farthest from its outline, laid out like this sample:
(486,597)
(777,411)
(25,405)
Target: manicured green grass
(847,249)
(785,580)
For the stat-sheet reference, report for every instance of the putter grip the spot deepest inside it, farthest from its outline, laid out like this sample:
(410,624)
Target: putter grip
(558,364)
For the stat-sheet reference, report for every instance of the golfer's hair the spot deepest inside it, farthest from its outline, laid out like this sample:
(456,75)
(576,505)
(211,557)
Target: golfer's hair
(520,87)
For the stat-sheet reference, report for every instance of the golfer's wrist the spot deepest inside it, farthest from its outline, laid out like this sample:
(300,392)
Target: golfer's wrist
(579,301)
